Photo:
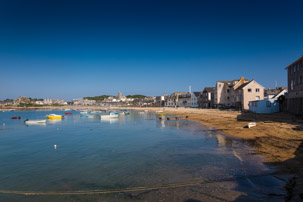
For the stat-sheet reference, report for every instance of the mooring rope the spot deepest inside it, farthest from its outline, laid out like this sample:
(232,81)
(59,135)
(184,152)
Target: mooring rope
(131,189)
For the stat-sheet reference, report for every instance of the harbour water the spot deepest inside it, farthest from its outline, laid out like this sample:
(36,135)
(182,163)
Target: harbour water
(171,159)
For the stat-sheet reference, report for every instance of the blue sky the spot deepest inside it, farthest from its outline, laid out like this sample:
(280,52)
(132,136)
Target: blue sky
(71,49)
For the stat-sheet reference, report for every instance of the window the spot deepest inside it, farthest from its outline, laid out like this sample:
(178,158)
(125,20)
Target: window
(294,67)
(268,104)
(227,97)
(249,90)
(257,90)
(219,85)
(297,67)
(291,70)
(227,90)
(257,97)
(300,79)
(291,84)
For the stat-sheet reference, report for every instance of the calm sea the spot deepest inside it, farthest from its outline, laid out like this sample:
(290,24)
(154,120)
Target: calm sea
(136,150)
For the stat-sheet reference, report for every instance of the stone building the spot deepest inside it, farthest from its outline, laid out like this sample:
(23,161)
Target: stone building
(295,87)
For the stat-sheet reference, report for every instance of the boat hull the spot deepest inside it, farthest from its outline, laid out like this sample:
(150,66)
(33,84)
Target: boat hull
(54,117)
(35,122)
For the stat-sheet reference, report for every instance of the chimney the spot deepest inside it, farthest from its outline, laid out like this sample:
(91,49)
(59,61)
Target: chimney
(242,80)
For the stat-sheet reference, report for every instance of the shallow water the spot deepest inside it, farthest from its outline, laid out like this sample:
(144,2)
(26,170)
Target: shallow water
(136,150)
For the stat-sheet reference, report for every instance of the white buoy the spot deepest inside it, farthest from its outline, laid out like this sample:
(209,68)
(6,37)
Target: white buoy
(55,146)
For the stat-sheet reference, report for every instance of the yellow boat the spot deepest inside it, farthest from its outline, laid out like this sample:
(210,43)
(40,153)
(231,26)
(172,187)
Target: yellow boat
(161,114)
(54,116)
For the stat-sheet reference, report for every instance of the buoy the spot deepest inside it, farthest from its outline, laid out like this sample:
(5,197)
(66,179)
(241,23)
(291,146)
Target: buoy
(55,146)
(168,118)
(160,118)
(186,117)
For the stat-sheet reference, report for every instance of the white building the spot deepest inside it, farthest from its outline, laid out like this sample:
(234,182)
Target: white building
(267,106)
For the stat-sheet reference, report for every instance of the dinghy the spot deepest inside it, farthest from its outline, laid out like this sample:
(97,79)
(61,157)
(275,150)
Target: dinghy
(28,122)
(109,116)
(54,116)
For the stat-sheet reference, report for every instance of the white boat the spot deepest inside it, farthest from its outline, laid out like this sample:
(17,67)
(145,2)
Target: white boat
(252,124)
(109,116)
(84,112)
(28,122)
(90,116)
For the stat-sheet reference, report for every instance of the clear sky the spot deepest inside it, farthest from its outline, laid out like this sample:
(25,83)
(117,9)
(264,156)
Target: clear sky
(71,49)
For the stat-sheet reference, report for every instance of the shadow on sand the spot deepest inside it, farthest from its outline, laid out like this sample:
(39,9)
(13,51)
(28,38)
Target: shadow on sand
(292,167)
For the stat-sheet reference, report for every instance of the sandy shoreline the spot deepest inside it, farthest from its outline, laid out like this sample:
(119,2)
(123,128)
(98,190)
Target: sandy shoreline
(277,137)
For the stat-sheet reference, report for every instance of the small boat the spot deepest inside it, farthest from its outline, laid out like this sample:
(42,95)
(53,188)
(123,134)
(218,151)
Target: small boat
(109,116)
(68,113)
(90,116)
(27,122)
(84,112)
(54,116)
(83,115)
(161,114)
(16,117)
(141,112)
(252,124)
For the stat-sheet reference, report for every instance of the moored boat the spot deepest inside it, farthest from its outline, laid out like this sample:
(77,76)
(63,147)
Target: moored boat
(16,117)
(109,116)
(54,116)
(27,122)
(68,113)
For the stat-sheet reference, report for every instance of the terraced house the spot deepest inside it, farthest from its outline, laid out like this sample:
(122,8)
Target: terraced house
(237,93)
(295,87)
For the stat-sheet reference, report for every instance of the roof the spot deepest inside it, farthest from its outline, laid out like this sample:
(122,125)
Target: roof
(209,89)
(196,94)
(244,84)
(301,58)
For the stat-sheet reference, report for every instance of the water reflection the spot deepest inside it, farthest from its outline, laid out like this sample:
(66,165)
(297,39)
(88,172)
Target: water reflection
(54,121)
(111,121)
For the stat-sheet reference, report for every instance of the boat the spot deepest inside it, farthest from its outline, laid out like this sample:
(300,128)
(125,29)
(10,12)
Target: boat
(161,114)
(109,116)
(83,115)
(28,122)
(54,116)
(141,112)
(16,117)
(90,116)
(68,113)
(251,124)
(84,112)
